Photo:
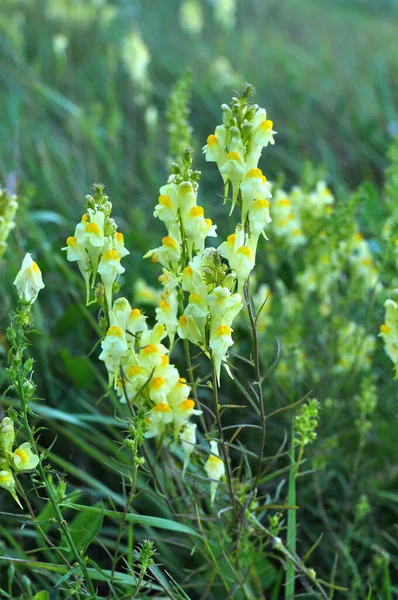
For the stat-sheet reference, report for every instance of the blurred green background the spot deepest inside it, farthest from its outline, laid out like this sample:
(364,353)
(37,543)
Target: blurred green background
(84,86)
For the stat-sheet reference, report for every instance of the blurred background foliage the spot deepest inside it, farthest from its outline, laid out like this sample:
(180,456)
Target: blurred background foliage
(84,86)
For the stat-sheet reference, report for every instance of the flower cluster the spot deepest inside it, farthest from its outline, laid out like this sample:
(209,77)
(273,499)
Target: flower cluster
(8,209)
(97,246)
(305,423)
(135,357)
(13,460)
(198,301)
(236,147)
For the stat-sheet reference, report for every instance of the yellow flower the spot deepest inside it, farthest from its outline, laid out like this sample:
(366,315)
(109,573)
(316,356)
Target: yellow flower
(187,437)
(109,268)
(114,346)
(24,458)
(183,411)
(233,170)
(7,435)
(263,133)
(29,281)
(220,341)
(7,482)
(214,468)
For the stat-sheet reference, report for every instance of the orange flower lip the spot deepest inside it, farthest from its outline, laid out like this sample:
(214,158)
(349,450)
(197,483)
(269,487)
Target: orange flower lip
(111,255)
(162,407)
(223,330)
(114,330)
(150,349)
(188,404)
(157,383)
(165,201)
(92,228)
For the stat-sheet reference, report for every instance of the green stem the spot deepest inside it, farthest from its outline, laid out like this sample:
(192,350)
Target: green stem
(221,433)
(291,523)
(257,370)
(50,492)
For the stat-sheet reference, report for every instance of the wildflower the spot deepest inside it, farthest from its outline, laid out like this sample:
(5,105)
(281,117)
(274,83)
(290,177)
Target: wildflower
(182,413)
(136,322)
(306,423)
(29,280)
(259,217)
(7,435)
(167,254)
(166,210)
(114,345)
(223,306)
(263,133)
(7,482)
(136,376)
(214,468)
(179,393)
(24,458)
(91,230)
(389,330)
(159,417)
(119,246)
(120,314)
(232,170)
(220,341)
(166,313)
(109,268)
(187,437)
(158,390)
(215,147)
(253,186)
(77,252)
(197,228)
(8,209)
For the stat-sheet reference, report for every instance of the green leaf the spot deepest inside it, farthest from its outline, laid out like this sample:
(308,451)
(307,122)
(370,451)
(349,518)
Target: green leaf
(85,527)
(95,574)
(148,521)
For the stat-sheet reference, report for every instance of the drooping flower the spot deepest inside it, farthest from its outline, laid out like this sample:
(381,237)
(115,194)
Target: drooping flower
(220,341)
(7,435)
(214,468)
(7,482)
(187,437)
(109,269)
(114,345)
(29,280)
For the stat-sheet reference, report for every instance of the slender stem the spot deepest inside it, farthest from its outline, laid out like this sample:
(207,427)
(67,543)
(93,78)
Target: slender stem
(46,539)
(291,522)
(50,492)
(257,370)
(129,500)
(220,431)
